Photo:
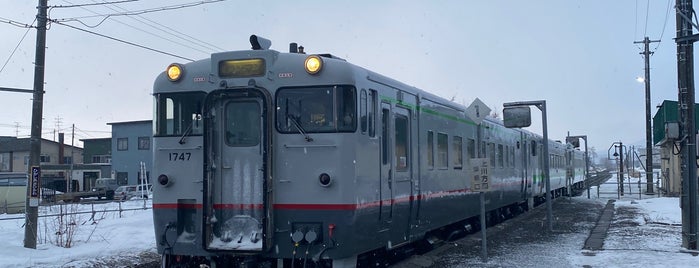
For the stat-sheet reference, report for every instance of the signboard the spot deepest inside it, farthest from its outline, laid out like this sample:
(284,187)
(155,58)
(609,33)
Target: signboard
(35,187)
(477,111)
(480,175)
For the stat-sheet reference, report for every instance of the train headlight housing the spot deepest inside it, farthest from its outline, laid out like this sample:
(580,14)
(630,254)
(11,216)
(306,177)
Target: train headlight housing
(313,64)
(324,180)
(164,180)
(174,72)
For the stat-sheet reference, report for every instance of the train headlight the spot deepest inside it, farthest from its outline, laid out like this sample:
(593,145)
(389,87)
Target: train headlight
(324,180)
(174,72)
(164,180)
(313,64)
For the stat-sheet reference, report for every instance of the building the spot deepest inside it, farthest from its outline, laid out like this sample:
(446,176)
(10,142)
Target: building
(131,146)
(97,151)
(665,134)
(14,153)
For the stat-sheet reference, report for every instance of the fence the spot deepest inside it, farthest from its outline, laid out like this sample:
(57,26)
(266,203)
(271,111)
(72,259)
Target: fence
(92,211)
(628,186)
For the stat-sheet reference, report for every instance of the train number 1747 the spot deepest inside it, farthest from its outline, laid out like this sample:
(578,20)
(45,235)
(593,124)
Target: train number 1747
(180,156)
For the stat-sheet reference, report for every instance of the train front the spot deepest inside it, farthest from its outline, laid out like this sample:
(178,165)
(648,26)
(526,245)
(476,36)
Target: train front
(222,128)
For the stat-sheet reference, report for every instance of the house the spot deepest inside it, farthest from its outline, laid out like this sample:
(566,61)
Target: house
(131,146)
(14,153)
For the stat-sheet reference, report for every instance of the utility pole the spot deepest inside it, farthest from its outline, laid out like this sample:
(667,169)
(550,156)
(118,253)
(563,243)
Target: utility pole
(649,140)
(685,85)
(32,201)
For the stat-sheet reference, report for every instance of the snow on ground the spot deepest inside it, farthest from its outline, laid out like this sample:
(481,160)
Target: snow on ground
(106,236)
(644,233)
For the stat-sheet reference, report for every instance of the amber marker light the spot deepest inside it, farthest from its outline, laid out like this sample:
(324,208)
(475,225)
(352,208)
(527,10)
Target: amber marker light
(174,72)
(313,64)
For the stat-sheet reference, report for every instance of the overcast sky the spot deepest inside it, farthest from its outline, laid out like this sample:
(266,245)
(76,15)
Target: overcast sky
(579,56)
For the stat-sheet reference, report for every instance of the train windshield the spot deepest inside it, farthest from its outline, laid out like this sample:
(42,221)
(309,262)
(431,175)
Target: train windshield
(178,114)
(316,109)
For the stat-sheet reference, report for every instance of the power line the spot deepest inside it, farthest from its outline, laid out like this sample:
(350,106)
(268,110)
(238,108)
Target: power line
(125,42)
(667,13)
(170,31)
(15,50)
(139,29)
(645,30)
(16,23)
(143,11)
(94,4)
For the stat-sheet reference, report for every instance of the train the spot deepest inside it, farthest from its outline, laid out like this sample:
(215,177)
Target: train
(282,159)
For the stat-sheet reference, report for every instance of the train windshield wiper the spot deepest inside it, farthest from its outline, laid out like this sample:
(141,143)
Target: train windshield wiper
(298,126)
(186,132)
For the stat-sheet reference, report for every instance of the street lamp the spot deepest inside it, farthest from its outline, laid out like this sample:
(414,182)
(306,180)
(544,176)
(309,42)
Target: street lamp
(619,148)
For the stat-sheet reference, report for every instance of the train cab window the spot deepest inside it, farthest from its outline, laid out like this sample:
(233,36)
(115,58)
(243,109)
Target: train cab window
(316,109)
(442,150)
(402,141)
(178,114)
(242,123)
(457,144)
(430,149)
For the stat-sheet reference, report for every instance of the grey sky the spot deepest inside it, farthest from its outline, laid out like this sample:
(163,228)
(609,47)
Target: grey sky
(579,56)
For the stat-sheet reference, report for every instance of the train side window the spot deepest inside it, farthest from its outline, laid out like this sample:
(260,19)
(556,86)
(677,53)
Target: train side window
(384,134)
(482,153)
(442,150)
(430,149)
(501,156)
(401,137)
(533,148)
(364,121)
(507,156)
(471,148)
(491,153)
(512,157)
(458,152)
(371,112)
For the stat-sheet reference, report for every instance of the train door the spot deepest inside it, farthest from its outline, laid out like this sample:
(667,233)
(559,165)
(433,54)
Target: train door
(522,153)
(397,170)
(237,154)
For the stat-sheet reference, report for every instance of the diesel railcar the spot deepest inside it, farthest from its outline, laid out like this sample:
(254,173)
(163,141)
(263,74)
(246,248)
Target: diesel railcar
(272,158)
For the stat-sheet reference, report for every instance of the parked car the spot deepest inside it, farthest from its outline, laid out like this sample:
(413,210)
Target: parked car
(142,191)
(105,187)
(122,192)
(127,192)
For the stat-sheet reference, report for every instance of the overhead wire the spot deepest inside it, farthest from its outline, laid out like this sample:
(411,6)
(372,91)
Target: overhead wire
(15,23)
(662,33)
(93,4)
(15,50)
(124,41)
(170,30)
(645,30)
(144,11)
